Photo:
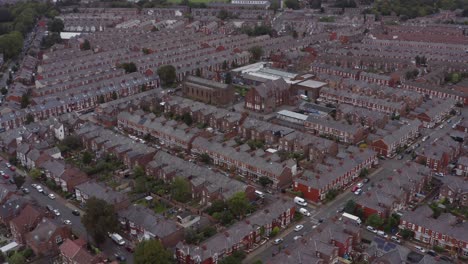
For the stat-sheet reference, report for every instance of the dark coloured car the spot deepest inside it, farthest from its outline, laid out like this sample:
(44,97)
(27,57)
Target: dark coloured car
(446,258)
(432,253)
(366,180)
(120,257)
(76,212)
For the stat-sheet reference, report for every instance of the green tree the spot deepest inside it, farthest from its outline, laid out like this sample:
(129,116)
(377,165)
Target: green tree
(55,25)
(391,223)
(363,173)
(86,45)
(11,44)
(4,90)
(129,67)
(99,219)
(256,53)
(293,4)
(375,220)
(265,181)
(406,234)
(87,157)
(274,231)
(138,172)
(187,119)
(350,207)
(180,190)
(148,251)
(114,95)
(19,180)
(70,143)
(238,204)
(25,100)
(198,72)
(29,118)
(167,74)
(35,173)
(225,65)
(228,78)
(205,158)
(223,14)
(17,258)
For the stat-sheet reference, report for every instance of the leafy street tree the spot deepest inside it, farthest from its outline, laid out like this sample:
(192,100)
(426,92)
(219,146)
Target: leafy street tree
(99,219)
(293,4)
(17,258)
(223,14)
(187,118)
(55,25)
(180,190)
(29,118)
(19,180)
(198,72)
(129,67)
(265,181)
(149,251)
(70,143)
(35,173)
(11,44)
(256,52)
(86,45)
(87,157)
(167,74)
(25,100)
(350,207)
(238,204)
(375,220)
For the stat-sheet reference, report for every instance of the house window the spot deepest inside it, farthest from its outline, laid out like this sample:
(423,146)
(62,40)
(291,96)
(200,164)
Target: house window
(58,239)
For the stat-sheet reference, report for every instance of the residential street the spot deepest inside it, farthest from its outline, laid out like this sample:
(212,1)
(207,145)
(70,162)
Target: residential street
(65,208)
(326,212)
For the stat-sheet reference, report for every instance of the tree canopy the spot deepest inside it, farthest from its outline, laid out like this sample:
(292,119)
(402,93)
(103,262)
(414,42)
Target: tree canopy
(129,67)
(375,220)
(180,189)
(11,44)
(99,219)
(55,25)
(293,4)
(167,74)
(238,204)
(148,251)
(256,52)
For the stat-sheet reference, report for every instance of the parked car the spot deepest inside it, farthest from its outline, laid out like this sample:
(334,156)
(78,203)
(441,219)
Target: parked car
(6,176)
(297,237)
(76,212)
(52,196)
(396,239)
(8,165)
(12,168)
(120,257)
(25,190)
(298,228)
(382,234)
(358,192)
(278,241)
(370,228)
(422,250)
(366,180)
(56,212)
(432,253)
(400,157)
(360,184)
(67,222)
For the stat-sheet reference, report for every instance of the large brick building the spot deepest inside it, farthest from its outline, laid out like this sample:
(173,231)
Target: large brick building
(267,96)
(208,91)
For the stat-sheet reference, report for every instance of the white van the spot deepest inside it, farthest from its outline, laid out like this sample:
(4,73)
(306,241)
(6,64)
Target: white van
(300,201)
(117,239)
(259,194)
(304,211)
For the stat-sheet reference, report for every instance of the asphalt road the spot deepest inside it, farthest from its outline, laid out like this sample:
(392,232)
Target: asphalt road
(65,208)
